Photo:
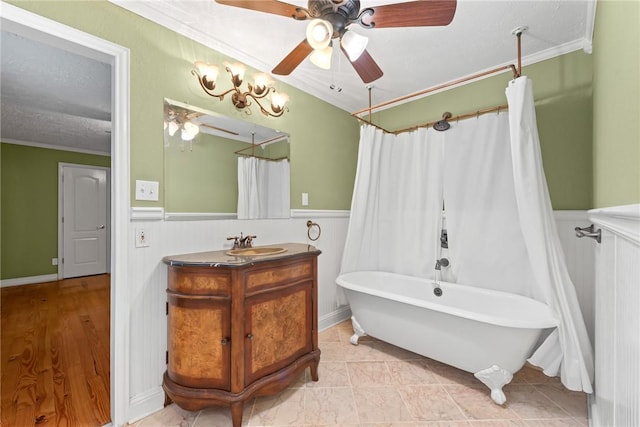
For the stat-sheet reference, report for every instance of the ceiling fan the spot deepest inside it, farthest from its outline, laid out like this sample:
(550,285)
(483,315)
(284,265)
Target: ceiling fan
(330,19)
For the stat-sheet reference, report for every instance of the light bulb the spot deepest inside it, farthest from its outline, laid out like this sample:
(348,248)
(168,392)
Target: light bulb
(322,57)
(319,33)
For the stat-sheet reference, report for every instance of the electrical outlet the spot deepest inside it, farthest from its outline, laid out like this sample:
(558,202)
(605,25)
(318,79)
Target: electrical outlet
(54,261)
(142,238)
(305,199)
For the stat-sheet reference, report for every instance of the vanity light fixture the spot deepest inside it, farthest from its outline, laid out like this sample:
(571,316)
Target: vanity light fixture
(207,75)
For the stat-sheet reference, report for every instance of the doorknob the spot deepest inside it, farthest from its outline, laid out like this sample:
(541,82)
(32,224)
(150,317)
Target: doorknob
(100,227)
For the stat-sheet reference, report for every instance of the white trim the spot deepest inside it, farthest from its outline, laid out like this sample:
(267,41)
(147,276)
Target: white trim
(54,33)
(590,23)
(621,220)
(147,403)
(19,281)
(146,214)
(54,147)
(319,213)
(339,315)
(198,216)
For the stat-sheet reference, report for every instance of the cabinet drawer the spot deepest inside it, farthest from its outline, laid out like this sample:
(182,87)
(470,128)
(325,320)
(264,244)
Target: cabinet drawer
(199,281)
(273,276)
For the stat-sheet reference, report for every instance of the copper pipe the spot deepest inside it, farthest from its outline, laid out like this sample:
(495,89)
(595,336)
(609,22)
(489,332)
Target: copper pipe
(442,86)
(369,104)
(240,151)
(477,113)
(519,35)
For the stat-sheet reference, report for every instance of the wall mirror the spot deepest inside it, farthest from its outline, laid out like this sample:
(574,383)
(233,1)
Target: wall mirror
(219,167)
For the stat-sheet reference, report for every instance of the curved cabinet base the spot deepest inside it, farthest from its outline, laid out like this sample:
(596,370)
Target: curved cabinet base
(195,399)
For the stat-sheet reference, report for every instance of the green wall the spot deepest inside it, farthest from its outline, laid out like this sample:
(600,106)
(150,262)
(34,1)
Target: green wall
(161,64)
(616,108)
(562,92)
(202,176)
(29,217)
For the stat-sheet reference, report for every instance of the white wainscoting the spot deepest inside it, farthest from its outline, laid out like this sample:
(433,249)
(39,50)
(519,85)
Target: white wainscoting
(148,276)
(148,280)
(580,258)
(616,399)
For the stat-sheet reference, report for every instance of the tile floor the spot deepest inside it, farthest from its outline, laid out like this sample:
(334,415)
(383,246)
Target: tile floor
(376,384)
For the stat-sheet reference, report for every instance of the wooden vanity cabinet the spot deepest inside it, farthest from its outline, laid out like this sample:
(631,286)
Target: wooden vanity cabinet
(239,330)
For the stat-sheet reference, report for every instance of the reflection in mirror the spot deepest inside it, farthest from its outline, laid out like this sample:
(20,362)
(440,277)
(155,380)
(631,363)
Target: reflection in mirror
(220,167)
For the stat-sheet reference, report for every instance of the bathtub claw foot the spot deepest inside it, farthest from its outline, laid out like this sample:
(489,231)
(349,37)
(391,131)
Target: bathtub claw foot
(357,331)
(495,378)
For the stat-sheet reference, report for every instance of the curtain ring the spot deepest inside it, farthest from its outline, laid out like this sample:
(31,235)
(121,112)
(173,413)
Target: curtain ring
(310,226)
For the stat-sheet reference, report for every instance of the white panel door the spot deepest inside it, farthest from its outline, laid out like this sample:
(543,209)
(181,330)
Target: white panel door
(84,221)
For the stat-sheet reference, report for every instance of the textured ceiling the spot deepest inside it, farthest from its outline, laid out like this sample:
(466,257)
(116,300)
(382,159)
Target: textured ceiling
(54,97)
(479,38)
(50,96)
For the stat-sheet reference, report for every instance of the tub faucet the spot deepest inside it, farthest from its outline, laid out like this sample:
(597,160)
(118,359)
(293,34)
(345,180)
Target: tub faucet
(442,262)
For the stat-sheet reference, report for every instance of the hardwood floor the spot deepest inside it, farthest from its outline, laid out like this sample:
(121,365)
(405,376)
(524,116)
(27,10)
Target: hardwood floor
(55,353)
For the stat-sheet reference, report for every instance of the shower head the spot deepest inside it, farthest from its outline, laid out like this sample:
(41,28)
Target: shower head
(442,125)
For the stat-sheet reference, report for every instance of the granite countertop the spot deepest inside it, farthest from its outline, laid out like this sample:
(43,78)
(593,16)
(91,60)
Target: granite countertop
(221,258)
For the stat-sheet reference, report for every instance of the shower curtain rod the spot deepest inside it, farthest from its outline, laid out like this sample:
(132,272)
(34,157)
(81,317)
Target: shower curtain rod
(478,113)
(517,72)
(369,109)
(254,145)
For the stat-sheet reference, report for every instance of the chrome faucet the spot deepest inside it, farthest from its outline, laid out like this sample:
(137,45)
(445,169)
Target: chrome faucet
(242,241)
(442,262)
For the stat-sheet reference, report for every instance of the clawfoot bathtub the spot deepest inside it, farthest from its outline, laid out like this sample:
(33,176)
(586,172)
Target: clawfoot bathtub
(488,333)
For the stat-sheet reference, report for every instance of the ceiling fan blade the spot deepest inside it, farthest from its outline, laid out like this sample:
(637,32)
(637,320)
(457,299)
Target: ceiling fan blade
(293,59)
(366,67)
(268,6)
(420,13)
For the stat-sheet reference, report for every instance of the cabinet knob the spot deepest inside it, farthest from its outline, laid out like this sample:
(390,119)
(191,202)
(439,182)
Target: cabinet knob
(224,341)
(250,336)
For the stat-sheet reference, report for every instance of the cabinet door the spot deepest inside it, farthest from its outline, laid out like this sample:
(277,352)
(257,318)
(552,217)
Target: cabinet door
(198,341)
(279,329)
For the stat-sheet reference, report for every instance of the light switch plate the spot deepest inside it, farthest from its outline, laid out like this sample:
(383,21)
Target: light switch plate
(147,190)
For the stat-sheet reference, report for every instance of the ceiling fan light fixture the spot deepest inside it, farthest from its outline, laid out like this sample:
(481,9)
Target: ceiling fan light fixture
(173,128)
(322,57)
(353,44)
(186,135)
(319,33)
(191,128)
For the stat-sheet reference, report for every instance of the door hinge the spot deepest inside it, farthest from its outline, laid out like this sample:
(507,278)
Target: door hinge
(166,305)
(166,357)
(62,260)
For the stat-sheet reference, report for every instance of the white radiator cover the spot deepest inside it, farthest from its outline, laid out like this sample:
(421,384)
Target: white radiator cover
(147,278)
(616,400)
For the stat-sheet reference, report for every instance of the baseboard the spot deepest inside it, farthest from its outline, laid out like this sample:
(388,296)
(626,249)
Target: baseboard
(328,320)
(144,404)
(28,280)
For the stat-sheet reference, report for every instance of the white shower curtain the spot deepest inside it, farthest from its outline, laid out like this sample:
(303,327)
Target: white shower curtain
(397,204)
(567,351)
(263,188)
(486,247)
(499,218)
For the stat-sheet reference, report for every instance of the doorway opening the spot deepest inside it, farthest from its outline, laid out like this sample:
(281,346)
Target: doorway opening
(30,25)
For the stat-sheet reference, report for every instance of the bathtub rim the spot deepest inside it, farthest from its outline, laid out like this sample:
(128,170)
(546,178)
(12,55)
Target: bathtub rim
(546,320)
